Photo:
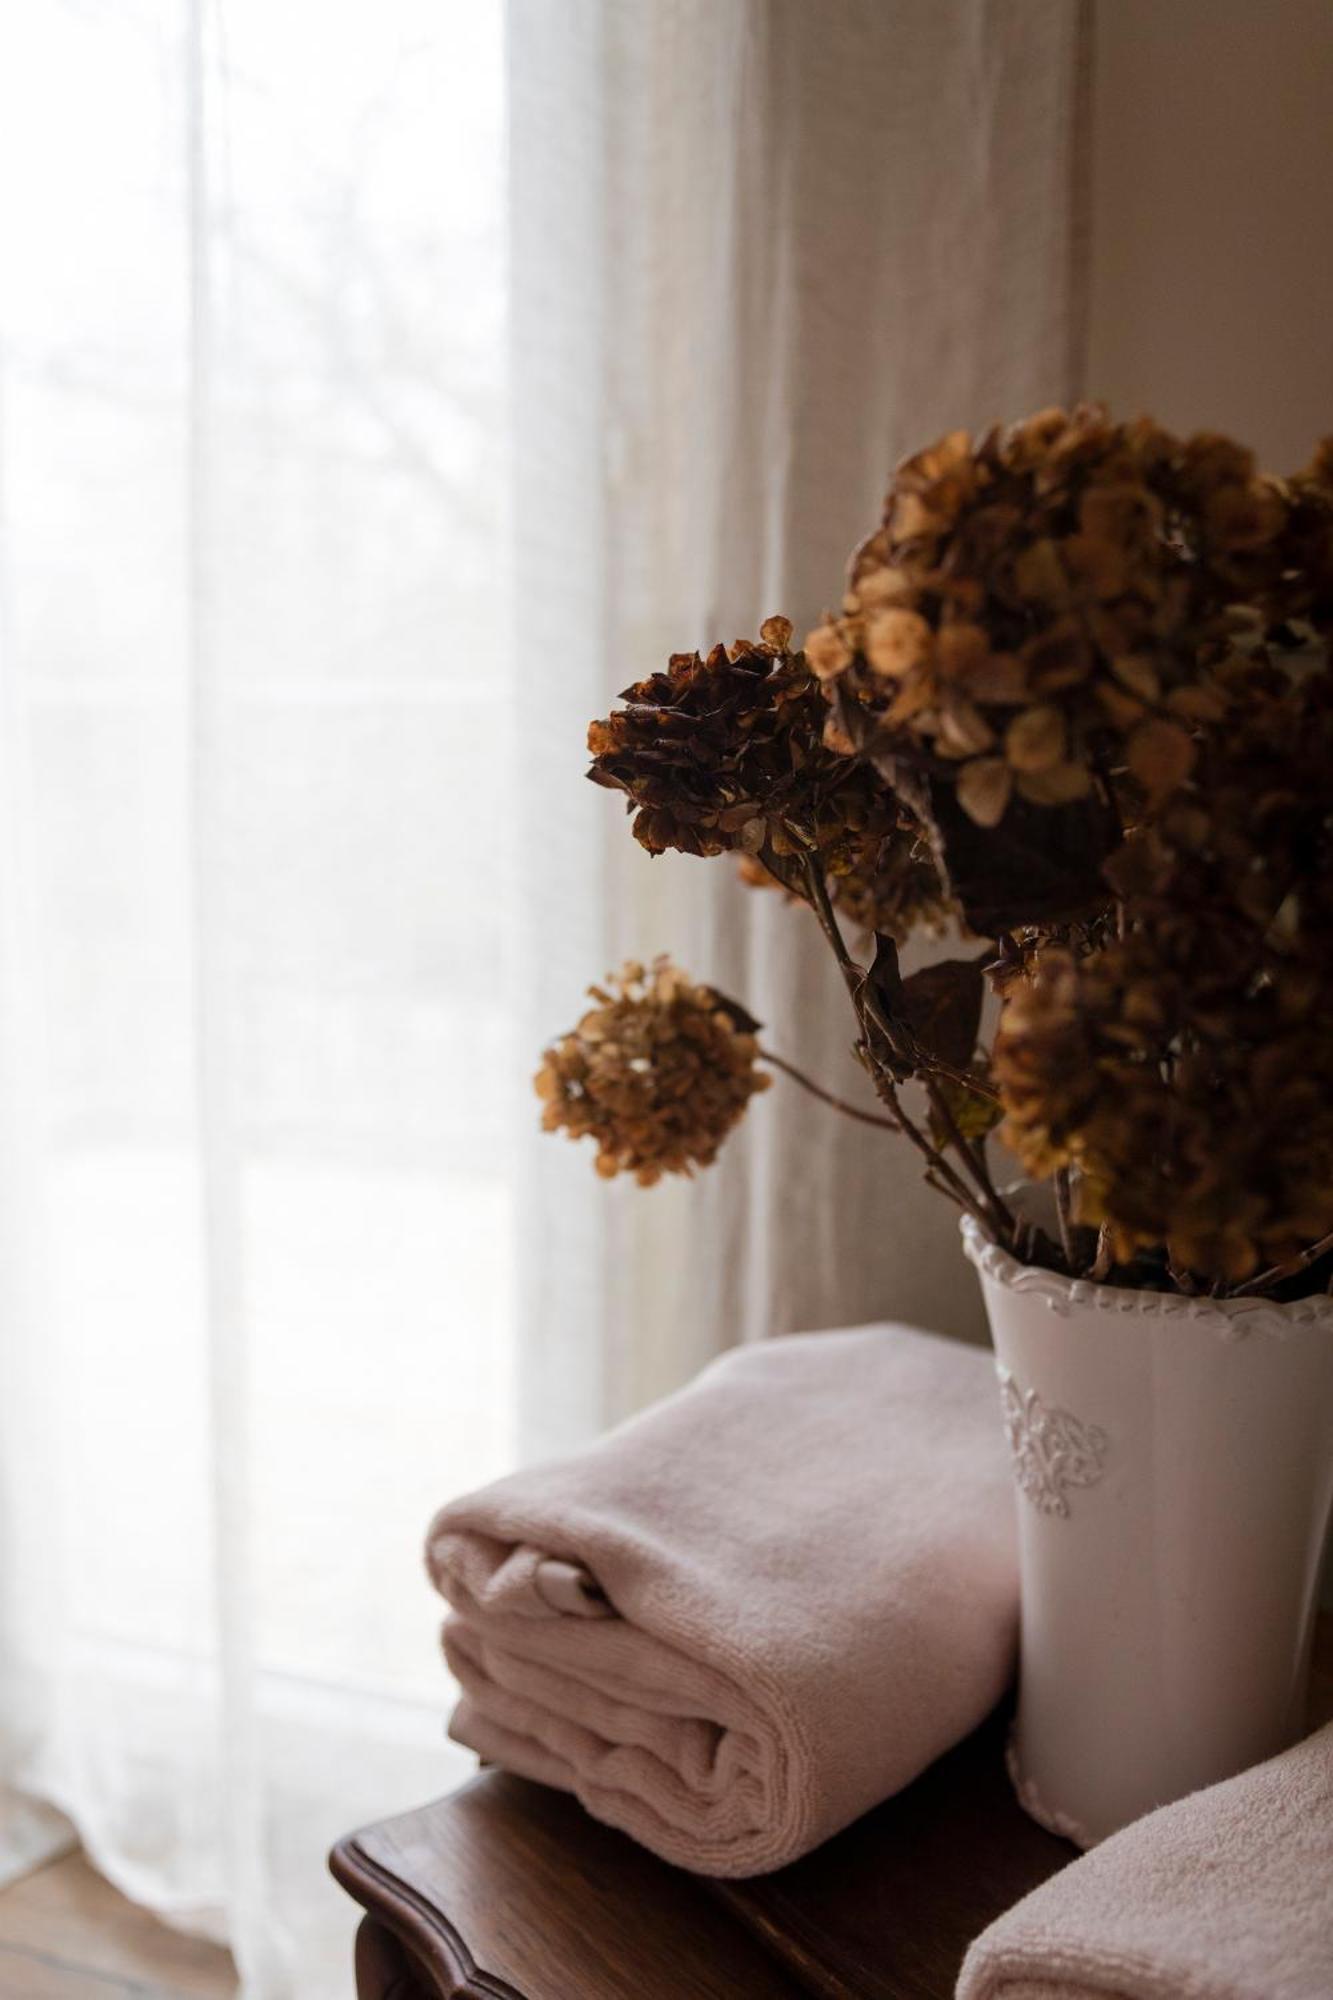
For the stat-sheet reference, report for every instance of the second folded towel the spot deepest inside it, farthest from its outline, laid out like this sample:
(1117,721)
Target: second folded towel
(1225,1895)
(739,1621)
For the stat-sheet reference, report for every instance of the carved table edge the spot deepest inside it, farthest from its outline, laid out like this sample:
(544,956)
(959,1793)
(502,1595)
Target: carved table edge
(426,1932)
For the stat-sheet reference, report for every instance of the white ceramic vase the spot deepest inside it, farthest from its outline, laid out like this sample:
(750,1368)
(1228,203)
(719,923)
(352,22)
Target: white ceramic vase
(1173,1460)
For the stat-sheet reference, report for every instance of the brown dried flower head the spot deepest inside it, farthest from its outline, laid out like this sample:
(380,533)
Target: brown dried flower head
(1079,693)
(891,886)
(716,750)
(731,752)
(1186,1069)
(887,881)
(656,1073)
(1204,1128)
(1308,574)
(1050,602)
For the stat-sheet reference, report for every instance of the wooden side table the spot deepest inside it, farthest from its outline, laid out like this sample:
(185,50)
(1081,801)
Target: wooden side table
(507,1891)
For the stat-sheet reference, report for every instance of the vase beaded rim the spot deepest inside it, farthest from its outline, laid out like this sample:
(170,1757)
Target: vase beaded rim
(1229,1319)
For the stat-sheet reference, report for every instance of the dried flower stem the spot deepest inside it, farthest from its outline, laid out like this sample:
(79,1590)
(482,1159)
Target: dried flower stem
(984,1206)
(1101,1263)
(826,1096)
(937,1165)
(1063,1206)
(1290,1269)
(853,974)
(973,1158)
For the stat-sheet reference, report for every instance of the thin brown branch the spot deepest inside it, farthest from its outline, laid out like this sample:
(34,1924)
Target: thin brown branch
(853,973)
(940,1188)
(1064,1216)
(1291,1269)
(936,1164)
(925,1060)
(1101,1263)
(938,1170)
(971,1156)
(826,1096)
(867,1001)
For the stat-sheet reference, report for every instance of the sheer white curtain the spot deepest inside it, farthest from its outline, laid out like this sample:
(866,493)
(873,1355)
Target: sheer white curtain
(296,865)
(256,1297)
(763,247)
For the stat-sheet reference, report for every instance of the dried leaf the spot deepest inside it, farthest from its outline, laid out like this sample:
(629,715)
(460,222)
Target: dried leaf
(744,1023)
(884,975)
(942,1006)
(973,1114)
(1045,869)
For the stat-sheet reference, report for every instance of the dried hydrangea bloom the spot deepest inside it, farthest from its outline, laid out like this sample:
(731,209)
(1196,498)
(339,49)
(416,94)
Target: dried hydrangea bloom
(891,887)
(1051,602)
(1200,1124)
(656,1074)
(712,749)
(730,752)
(1186,1068)
(887,882)
(1234,875)
(1308,574)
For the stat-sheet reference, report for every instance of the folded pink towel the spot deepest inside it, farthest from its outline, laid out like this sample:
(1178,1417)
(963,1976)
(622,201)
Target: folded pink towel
(752,1612)
(1226,1895)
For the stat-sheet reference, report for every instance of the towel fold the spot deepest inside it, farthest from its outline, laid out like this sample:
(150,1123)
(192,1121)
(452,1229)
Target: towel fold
(1226,1895)
(752,1612)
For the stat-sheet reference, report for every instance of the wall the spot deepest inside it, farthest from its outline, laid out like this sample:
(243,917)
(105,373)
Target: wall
(1210,265)
(1211,274)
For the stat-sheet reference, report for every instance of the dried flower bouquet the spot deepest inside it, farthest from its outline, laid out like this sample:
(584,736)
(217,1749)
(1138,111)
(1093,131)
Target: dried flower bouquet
(1077,702)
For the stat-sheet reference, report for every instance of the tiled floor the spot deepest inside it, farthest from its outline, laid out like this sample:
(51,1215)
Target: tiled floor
(64,1932)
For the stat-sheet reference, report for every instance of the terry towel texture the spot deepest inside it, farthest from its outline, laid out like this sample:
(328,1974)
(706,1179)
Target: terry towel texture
(749,1614)
(1226,1895)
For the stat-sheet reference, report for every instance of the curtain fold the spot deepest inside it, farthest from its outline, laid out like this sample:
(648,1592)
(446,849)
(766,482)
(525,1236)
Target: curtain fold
(382,389)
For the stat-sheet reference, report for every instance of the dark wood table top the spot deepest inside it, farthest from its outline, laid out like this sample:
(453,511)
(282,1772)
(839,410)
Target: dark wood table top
(509,1891)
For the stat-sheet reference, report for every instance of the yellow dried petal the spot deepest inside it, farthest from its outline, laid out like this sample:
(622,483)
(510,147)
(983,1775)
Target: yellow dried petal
(1138,675)
(1035,740)
(963,730)
(827,653)
(1039,574)
(1160,755)
(984,786)
(1060,785)
(883,586)
(896,641)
